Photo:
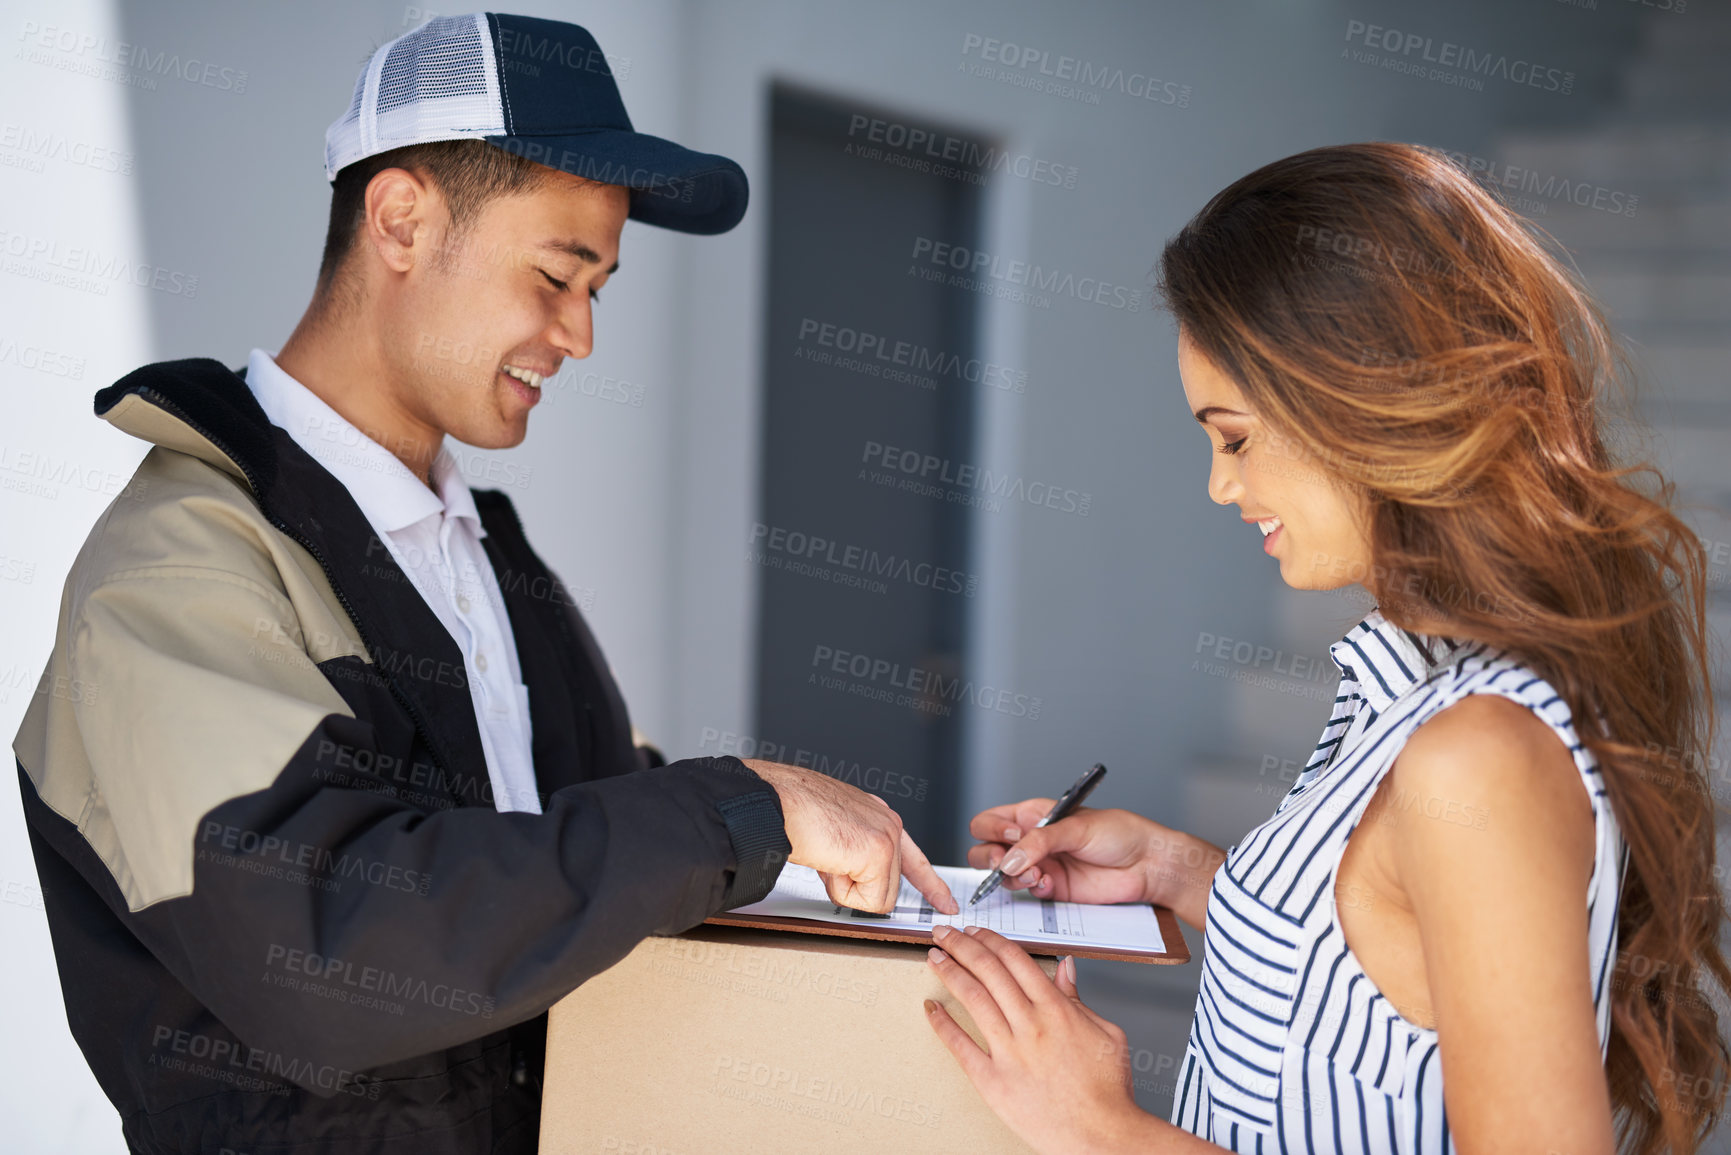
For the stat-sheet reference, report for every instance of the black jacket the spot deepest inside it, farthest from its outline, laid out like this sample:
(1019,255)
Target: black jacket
(287,917)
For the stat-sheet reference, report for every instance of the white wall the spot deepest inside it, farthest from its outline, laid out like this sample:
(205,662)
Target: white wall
(68,207)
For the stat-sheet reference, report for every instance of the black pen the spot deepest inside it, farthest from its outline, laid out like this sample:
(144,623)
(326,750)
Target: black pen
(1062,808)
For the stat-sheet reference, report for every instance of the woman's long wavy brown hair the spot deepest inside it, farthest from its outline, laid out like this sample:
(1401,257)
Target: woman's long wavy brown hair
(1421,344)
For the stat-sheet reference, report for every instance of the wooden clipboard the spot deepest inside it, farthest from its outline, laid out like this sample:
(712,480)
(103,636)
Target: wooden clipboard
(1176,951)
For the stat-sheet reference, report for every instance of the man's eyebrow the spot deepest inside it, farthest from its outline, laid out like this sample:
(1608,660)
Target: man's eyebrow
(1207,411)
(581,251)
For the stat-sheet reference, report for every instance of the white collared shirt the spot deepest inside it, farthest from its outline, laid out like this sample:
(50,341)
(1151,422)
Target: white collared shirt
(435,538)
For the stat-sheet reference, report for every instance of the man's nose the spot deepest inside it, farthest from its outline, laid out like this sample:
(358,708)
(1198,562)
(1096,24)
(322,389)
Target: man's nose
(573,331)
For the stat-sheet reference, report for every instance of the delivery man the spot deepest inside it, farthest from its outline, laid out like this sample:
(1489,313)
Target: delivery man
(329,787)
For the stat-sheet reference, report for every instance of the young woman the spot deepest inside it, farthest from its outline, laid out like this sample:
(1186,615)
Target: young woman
(1485,917)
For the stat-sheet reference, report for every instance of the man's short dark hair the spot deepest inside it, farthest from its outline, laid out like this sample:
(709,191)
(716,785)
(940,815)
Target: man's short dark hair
(468,173)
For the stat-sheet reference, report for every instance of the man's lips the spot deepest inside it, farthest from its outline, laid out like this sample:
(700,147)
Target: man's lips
(529,394)
(527,374)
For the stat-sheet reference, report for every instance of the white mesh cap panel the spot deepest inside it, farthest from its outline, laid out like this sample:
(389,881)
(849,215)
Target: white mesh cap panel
(438,82)
(345,134)
(432,63)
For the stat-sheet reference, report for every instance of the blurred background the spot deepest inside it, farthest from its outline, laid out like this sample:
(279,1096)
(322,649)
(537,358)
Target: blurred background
(895,479)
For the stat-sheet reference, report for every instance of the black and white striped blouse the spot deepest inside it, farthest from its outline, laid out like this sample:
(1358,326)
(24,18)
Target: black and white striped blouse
(1292,1047)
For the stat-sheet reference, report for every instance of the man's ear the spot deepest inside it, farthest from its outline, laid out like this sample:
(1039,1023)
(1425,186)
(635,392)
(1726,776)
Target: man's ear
(396,219)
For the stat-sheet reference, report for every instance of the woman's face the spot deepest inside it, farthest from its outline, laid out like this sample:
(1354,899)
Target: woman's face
(1312,524)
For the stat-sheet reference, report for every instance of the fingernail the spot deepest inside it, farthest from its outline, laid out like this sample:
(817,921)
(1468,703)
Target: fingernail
(1030,878)
(936,955)
(1014,863)
(969,929)
(1013,833)
(942,932)
(931,1007)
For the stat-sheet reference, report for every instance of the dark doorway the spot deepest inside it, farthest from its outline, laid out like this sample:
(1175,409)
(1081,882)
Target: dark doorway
(865,587)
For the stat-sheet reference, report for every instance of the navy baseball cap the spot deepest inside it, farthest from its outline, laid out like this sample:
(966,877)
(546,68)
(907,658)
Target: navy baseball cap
(541,89)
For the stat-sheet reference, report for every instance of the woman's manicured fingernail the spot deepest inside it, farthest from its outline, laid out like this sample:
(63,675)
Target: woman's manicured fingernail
(1013,833)
(1014,863)
(1030,878)
(942,932)
(931,1007)
(969,929)
(936,955)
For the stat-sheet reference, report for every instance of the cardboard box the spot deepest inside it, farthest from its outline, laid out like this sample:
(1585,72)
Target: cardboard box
(727,1040)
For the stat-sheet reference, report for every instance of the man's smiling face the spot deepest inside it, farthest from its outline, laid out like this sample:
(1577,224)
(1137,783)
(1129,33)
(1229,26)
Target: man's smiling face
(476,324)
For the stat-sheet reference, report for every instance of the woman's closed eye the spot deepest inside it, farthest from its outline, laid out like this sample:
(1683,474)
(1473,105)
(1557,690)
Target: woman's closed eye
(1230,447)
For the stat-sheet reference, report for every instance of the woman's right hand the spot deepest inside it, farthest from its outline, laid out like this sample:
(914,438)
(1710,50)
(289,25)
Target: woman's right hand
(1096,856)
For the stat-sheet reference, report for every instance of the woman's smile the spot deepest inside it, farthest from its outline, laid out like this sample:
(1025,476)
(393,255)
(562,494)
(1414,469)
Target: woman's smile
(1270,527)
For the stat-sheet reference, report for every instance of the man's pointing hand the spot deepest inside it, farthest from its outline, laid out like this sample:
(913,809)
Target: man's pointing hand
(854,840)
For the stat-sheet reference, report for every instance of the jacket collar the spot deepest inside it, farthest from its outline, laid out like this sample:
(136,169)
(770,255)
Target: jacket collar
(1386,660)
(199,407)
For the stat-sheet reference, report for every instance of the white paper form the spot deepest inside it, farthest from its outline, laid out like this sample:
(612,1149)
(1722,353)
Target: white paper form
(1016,914)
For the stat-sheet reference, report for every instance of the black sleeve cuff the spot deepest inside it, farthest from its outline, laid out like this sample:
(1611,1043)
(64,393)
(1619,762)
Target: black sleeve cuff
(760,845)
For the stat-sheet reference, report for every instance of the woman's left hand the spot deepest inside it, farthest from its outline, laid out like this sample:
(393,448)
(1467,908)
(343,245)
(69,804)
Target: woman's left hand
(1057,1073)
